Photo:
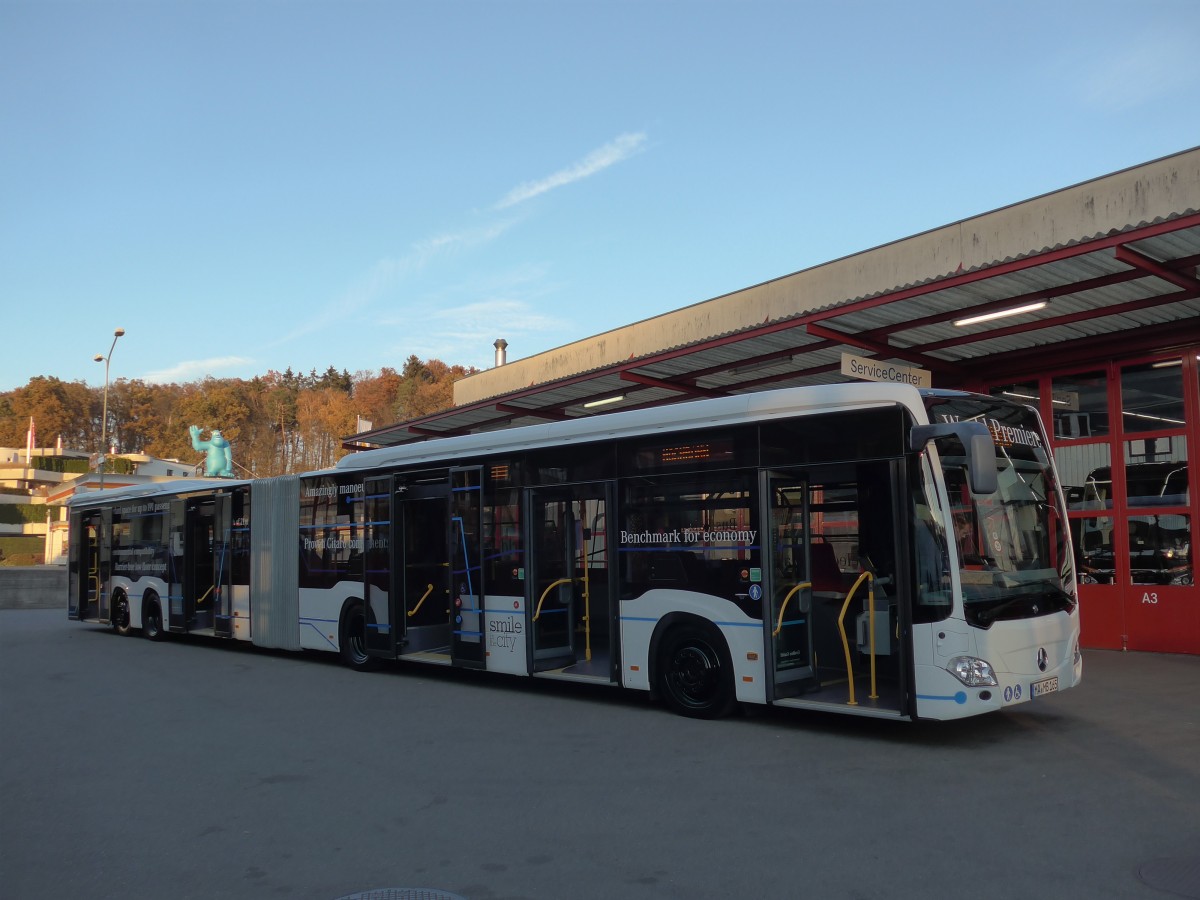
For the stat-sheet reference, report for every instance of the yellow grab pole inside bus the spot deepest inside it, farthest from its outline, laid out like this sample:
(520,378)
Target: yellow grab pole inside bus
(537,612)
(783,606)
(846,643)
(428,590)
(587,604)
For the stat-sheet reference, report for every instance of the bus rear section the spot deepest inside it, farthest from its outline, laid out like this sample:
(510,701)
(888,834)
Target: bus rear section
(162,559)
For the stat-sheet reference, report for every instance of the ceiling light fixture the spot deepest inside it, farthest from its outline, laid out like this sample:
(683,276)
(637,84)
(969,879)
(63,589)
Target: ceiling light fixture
(1001,313)
(1153,418)
(604,402)
(1034,398)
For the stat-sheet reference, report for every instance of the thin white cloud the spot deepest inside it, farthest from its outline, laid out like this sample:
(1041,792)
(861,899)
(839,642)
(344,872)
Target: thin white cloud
(424,251)
(192,369)
(615,151)
(463,332)
(499,315)
(388,272)
(473,345)
(1144,67)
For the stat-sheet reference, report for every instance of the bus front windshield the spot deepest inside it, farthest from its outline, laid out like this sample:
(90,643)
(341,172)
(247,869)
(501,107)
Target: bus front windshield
(1013,549)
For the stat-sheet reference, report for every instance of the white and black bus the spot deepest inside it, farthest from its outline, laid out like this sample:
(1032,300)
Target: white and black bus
(865,548)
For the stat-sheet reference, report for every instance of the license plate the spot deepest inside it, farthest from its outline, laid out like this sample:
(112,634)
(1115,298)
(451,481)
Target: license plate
(1041,688)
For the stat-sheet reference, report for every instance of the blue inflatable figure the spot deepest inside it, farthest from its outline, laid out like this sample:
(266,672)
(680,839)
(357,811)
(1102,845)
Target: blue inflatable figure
(219,462)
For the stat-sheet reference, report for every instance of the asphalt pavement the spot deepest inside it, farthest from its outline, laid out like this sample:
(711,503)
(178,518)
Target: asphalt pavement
(189,769)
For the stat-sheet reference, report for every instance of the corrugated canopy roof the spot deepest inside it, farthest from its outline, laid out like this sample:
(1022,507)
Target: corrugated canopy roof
(1132,290)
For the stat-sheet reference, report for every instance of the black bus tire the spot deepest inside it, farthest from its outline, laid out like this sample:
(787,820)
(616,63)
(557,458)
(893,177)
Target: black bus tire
(695,672)
(352,640)
(119,615)
(152,625)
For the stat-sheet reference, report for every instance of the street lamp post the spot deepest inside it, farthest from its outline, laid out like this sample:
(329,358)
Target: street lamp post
(104,414)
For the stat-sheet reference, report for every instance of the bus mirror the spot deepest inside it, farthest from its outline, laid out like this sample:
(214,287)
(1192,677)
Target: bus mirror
(976,438)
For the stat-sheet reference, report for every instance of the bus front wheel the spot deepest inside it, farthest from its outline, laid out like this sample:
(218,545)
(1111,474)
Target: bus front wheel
(695,672)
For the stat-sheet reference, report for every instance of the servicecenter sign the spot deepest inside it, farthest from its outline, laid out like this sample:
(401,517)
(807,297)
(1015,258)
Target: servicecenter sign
(874,370)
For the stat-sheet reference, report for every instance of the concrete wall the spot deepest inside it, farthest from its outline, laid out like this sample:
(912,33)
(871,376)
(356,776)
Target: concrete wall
(35,587)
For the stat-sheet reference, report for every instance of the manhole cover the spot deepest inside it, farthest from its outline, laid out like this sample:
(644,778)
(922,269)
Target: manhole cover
(403,894)
(1176,876)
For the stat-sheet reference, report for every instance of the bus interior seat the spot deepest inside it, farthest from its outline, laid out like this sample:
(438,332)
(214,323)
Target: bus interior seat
(827,576)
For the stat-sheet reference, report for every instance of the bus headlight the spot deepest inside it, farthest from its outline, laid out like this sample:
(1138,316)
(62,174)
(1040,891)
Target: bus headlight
(1077,655)
(972,671)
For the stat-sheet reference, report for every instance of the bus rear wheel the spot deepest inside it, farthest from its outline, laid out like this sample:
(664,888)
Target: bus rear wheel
(695,672)
(352,642)
(152,627)
(120,615)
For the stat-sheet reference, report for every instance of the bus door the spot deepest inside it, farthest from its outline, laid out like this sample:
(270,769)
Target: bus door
(79,538)
(222,565)
(176,521)
(195,563)
(788,584)
(570,591)
(468,645)
(200,551)
(420,562)
(104,566)
(89,560)
(385,630)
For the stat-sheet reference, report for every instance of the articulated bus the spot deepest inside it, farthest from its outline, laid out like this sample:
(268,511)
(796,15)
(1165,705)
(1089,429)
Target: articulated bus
(866,548)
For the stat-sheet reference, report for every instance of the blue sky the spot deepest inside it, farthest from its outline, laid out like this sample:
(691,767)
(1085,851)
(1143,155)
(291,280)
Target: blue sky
(246,186)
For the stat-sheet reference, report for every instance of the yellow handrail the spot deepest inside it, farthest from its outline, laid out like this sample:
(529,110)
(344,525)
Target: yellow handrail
(783,606)
(537,612)
(846,643)
(94,577)
(413,611)
(587,602)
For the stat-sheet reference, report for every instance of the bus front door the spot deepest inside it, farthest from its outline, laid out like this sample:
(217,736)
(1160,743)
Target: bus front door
(570,592)
(788,585)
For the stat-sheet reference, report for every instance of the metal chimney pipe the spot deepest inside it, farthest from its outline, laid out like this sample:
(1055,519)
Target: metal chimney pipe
(501,345)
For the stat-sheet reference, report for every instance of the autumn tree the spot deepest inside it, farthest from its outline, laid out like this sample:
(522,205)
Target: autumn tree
(143,418)
(213,404)
(279,423)
(69,410)
(427,388)
(376,396)
(323,417)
